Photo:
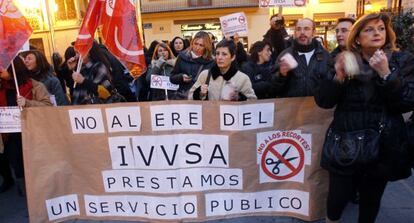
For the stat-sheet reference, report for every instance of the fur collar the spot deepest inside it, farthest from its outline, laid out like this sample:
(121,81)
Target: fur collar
(215,72)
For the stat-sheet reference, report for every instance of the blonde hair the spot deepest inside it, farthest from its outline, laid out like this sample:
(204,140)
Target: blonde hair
(208,47)
(356,29)
(165,46)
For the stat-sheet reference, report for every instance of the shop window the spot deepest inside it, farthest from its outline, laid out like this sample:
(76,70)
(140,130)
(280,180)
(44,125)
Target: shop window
(34,12)
(66,12)
(197,3)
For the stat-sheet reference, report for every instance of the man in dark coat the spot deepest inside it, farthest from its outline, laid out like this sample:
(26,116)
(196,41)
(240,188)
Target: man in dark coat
(298,80)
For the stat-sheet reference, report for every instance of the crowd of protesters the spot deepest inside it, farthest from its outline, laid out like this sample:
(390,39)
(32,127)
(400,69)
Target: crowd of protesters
(375,86)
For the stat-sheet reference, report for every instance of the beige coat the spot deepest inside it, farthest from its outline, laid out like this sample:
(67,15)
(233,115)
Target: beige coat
(41,96)
(240,80)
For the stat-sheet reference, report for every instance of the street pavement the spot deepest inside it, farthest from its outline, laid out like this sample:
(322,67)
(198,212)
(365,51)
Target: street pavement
(397,207)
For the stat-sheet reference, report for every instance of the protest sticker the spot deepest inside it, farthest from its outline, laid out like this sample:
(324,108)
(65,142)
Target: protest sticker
(281,3)
(10,119)
(63,206)
(179,165)
(282,155)
(176,117)
(86,121)
(148,207)
(293,201)
(162,82)
(123,119)
(246,117)
(233,24)
(172,181)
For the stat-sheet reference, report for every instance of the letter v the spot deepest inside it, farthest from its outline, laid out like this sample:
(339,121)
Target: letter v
(170,161)
(147,162)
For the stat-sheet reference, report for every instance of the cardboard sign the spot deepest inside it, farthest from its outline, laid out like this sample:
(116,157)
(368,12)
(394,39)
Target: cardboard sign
(283,3)
(234,23)
(175,161)
(10,119)
(162,82)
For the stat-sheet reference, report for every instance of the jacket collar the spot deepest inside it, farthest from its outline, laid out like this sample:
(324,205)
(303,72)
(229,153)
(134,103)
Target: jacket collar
(215,72)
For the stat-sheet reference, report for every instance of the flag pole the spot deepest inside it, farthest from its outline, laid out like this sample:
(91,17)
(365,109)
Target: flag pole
(78,67)
(15,82)
(51,27)
(15,79)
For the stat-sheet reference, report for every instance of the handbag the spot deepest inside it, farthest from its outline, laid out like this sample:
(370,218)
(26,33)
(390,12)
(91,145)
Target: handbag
(115,97)
(351,148)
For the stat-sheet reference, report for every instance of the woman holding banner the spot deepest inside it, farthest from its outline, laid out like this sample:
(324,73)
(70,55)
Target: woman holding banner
(41,70)
(93,81)
(30,93)
(365,146)
(190,63)
(162,64)
(223,81)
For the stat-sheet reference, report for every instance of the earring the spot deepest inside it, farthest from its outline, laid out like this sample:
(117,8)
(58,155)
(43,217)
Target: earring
(357,42)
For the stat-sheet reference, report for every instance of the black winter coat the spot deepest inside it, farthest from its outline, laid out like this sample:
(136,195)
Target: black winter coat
(360,104)
(185,64)
(260,75)
(159,94)
(301,81)
(335,52)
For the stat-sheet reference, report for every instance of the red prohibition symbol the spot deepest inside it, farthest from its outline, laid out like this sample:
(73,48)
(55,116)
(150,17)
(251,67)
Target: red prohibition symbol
(271,167)
(157,81)
(242,20)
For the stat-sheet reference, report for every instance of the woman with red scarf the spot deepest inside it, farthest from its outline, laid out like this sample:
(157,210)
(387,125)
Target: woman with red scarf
(32,93)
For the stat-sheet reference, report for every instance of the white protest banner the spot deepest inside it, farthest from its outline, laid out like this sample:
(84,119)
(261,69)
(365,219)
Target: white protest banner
(234,23)
(175,161)
(283,3)
(10,119)
(162,82)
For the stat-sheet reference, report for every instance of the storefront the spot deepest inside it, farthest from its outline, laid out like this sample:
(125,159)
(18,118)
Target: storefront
(55,23)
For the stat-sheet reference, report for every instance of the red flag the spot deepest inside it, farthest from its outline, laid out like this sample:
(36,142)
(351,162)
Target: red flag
(90,22)
(121,35)
(14,32)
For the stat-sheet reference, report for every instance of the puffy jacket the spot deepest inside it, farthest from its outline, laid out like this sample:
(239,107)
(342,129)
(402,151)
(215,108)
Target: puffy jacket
(260,75)
(362,102)
(185,64)
(54,87)
(300,82)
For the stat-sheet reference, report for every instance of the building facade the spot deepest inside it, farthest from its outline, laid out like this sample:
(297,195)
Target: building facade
(56,22)
(164,19)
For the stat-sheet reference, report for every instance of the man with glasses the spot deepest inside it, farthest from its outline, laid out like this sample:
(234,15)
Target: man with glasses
(300,63)
(343,26)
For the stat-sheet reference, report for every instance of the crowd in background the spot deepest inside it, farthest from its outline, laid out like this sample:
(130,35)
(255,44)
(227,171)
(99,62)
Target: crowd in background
(382,87)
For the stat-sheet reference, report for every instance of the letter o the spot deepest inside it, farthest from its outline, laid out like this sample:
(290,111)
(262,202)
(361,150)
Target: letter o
(192,207)
(222,180)
(89,124)
(296,205)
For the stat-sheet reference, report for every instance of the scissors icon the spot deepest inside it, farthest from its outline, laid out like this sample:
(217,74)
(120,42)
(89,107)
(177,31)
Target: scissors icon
(270,161)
